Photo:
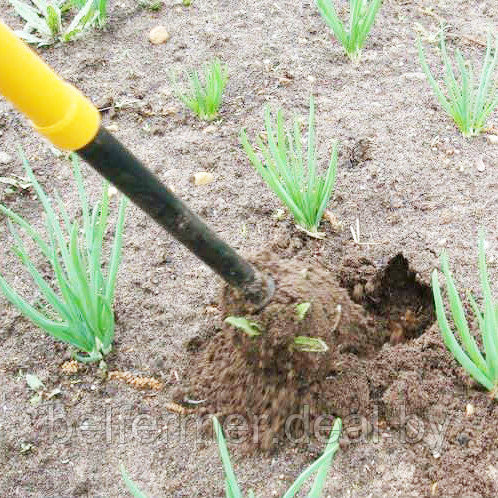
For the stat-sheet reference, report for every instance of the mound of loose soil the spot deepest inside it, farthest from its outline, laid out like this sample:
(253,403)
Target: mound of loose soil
(264,379)
(263,376)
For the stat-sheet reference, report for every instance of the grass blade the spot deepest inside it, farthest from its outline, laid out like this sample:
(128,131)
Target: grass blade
(490,330)
(317,465)
(231,480)
(132,487)
(458,314)
(332,444)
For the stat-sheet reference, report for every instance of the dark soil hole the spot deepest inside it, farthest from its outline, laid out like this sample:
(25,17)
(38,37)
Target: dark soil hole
(399,301)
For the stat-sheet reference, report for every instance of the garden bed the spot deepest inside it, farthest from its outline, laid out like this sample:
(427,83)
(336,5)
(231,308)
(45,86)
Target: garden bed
(415,425)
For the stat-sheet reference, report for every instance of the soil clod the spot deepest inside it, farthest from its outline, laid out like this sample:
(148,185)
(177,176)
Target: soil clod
(263,376)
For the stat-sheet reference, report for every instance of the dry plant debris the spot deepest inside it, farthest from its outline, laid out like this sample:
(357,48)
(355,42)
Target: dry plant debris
(70,367)
(136,381)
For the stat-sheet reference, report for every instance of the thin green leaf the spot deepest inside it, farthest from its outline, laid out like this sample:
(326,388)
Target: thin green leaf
(44,248)
(451,342)
(458,314)
(332,444)
(252,329)
(46,19)
(132,487)
(476,310)
(83,310)
(204,99)
(231,481)
(79,23)
(34,18)
(435,86)
(302,310)
(309,345)
(57,330)
(490,332)
(47,292)
(469,105)
(305,194)
(362,15)
(314,467)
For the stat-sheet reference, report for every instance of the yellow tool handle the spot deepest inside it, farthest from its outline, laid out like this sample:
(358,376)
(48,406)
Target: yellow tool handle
(57,109)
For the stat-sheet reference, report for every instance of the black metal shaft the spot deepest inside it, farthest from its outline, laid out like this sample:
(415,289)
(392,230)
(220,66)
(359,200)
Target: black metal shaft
(114,162)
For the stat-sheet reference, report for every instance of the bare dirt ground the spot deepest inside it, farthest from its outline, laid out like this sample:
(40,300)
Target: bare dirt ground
(415,184)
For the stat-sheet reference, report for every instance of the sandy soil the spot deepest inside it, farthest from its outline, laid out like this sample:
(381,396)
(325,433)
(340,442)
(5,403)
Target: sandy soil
(415,184)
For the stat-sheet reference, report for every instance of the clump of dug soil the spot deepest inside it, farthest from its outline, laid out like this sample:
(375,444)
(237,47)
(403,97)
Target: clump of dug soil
(263,378)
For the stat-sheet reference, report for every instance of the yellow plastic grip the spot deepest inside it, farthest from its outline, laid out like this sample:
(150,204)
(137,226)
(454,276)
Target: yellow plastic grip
(57,109)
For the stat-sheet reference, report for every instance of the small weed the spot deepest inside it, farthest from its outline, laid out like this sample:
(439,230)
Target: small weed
(302,309)
(481,367)
(204,98)
(45,20)
(252,329)
(80,313)
(301,189)
(469,105)
(361,18)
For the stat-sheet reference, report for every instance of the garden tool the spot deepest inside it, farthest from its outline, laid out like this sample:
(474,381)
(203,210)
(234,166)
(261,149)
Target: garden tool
(71,122)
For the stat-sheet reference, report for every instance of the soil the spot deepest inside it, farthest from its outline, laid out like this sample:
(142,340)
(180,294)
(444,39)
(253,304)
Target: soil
(264,376)
(415,425)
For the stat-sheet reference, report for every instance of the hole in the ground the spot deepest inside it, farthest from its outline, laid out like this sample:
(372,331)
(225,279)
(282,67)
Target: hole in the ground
(400,303)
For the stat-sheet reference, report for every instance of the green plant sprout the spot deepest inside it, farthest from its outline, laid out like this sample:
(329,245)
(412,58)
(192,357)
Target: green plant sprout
(44,19)
(321,467)
(204,98)
(301,189)
(481,367)
(301,343)
(361,18)
(306,344)
(252,329)
(80,313)
(99,6)
(469,105)
(302,309)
